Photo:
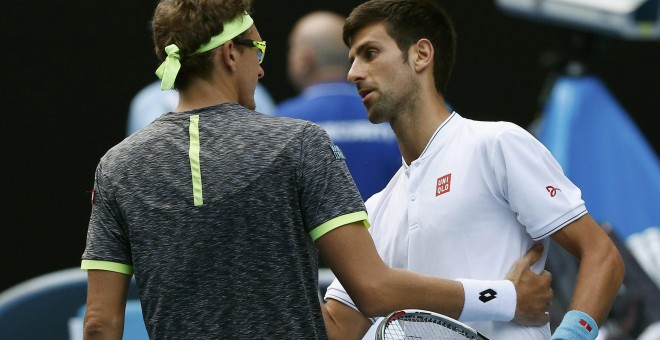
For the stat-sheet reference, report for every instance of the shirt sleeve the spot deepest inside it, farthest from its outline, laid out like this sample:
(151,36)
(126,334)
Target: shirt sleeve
(107,245)
(533,183)
(329,196)
(337,292)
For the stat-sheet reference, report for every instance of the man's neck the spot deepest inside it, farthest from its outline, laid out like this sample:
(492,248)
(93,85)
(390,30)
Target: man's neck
(414,130)
(202,93)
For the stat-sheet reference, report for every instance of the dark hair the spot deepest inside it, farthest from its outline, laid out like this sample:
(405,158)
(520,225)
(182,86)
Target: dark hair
(407,21)
(189,24)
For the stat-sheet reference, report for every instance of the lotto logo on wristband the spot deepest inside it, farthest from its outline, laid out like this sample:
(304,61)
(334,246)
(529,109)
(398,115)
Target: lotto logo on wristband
(585,325)
(489,300)
(487,295)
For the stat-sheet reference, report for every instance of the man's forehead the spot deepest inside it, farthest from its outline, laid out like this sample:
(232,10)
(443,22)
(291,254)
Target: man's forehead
(371,34)
(252,33)
(374,29)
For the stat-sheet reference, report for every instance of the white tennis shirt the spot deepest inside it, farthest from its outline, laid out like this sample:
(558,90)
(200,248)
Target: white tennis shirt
(479,196)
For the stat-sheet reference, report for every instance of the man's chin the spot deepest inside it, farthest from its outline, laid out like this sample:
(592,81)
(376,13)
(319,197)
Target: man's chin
(374,117)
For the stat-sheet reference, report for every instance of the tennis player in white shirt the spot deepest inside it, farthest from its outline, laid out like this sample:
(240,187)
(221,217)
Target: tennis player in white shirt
(471,197)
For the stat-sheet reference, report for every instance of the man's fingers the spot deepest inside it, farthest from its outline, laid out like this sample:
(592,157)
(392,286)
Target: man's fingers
(525,263)
(533,255)
(546,274)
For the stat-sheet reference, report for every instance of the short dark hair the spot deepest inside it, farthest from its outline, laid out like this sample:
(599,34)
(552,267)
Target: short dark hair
(407,21)
(189,24)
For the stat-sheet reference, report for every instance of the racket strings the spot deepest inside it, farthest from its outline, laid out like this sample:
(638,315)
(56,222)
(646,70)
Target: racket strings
(422,327)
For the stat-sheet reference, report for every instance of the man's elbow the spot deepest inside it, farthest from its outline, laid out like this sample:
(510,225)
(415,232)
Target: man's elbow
(94,330)
(96,326)
(372,300)
(615,261)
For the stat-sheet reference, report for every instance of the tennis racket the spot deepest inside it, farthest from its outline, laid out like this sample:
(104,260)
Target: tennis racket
(423,325)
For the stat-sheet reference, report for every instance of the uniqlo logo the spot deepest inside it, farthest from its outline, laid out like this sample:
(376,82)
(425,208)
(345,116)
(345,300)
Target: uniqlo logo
(443,185)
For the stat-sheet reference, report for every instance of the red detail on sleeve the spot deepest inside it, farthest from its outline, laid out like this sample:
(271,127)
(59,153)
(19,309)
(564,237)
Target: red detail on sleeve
(552,190)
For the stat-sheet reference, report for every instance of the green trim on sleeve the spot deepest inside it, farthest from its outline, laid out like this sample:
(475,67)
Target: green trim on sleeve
(106,265)
(338,222)
(195,167)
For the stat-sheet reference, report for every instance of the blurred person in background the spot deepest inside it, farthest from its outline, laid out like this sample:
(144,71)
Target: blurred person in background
(317,67)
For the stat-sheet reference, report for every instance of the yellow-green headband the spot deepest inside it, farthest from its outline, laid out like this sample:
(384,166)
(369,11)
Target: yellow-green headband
(170,67)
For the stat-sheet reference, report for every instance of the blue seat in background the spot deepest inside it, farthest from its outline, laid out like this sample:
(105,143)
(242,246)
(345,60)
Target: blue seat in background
(41,307)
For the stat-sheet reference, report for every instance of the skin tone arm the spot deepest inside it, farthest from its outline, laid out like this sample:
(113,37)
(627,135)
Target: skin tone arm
(106,304)
(601,267)
(378,289)
(343,322)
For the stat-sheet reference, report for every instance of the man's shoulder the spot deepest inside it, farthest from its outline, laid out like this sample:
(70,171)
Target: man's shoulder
(490,125)
(489,131)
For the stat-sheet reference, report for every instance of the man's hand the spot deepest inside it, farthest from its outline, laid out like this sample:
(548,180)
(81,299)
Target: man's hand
(533,290)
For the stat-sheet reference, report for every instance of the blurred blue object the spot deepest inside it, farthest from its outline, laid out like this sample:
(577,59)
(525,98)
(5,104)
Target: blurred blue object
(45,307)
(39,308)
(603,152)
(628,19)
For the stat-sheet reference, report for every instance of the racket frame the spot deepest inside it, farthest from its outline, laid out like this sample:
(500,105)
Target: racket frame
(443,320)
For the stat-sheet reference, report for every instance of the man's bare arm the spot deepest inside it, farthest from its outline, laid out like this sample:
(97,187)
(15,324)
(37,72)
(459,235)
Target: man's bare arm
(377,289)
(344,322)
(601,267)
(106,304)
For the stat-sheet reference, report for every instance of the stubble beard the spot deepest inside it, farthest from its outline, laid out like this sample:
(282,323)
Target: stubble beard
(390,104)
(381,111)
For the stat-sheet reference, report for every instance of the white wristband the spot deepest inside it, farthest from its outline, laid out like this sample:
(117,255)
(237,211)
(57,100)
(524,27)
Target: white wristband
(488,300)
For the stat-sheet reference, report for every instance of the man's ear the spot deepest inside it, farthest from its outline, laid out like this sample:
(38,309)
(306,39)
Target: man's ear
(307,59)
(423,54)
(229,55)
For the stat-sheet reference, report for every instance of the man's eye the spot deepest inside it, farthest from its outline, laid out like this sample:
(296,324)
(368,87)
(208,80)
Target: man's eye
(370,54)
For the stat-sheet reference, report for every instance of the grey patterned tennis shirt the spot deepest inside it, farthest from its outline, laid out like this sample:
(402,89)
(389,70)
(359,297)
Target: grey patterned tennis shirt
(215,211)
